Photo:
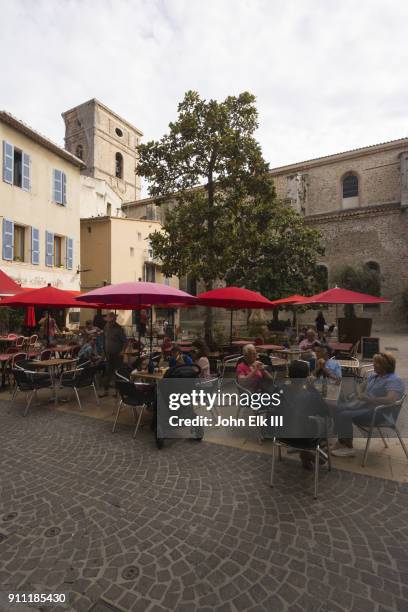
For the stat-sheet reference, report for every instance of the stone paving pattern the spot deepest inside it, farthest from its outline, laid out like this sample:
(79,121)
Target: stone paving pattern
(193,527)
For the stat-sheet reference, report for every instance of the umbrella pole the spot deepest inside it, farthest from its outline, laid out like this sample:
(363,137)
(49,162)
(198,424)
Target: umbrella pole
(151,329)
(48,328)
(139,332)
(231,327)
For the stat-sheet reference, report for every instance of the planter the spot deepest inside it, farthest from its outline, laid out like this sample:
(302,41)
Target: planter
(353,329)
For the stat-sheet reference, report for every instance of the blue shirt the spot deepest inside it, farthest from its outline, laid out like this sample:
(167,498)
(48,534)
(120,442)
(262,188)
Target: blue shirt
(186,358)
(380,386)
(333,366)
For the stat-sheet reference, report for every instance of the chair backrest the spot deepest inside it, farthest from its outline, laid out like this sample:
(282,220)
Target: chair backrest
(390,412)
(45,354)
(85,375)
(183,371)
(17,358)
(123,373)
(23,380)
(20,341)
(134,393)
(33,339)
(74,352)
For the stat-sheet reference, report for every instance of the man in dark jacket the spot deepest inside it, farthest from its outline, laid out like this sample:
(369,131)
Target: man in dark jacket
(115,341)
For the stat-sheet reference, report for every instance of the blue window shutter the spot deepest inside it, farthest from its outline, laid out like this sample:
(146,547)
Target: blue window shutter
(63,188)
(35,246)
(8,240)
(49,249)
(26,185)
(70,253)
(57,186)
(8,162)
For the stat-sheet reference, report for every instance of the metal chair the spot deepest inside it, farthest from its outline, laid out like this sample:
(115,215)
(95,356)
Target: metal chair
(383,417)
(29,382)
(313,445)
(133,395)
(80,378)
(45,354)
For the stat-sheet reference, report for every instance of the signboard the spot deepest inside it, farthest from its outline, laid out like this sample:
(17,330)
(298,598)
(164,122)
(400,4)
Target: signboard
(369,347)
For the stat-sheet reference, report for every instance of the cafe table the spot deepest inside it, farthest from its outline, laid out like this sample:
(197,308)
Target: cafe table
(154,376)
(268,347)
(290,354)
(52,365)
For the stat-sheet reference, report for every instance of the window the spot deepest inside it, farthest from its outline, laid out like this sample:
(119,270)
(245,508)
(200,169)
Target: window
(119,132)
(80,151)
(139,236)
(58,251)
(119,165)
(350,186)
(191,285)
(166,281)
(16,167)
(59,191)
(19,243)
(149,273)
(132,251)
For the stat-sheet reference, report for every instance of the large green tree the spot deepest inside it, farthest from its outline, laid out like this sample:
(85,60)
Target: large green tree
(222,212)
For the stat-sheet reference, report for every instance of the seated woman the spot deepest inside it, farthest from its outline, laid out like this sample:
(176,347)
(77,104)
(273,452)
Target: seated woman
(200,357)
(88,351)
(383,386)
(251,373)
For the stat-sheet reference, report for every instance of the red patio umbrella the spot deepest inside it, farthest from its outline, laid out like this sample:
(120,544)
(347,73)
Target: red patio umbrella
(291,299)
(7,285)
(29,319)
(337,295)
(136,295)
(49,297)
(233,298)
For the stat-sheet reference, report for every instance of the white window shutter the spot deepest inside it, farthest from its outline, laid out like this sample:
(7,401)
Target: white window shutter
(8,240)
(26,185)
(63,188)
(35,246)
(70,253)
(49,248)
(8,162)
(57,186)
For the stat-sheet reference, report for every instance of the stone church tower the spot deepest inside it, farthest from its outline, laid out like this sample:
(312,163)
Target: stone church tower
(107,145)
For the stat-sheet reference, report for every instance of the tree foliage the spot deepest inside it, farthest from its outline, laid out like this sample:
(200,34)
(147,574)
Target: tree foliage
(363,279)
(224,220)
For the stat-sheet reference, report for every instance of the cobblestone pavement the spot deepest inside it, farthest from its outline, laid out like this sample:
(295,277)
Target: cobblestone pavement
(193,527)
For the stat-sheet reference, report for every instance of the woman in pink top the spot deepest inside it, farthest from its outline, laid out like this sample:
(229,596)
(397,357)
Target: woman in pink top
(200,357)
(251,373)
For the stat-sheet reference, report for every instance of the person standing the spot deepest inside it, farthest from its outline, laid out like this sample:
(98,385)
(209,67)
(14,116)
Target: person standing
(115,341)
(320,324)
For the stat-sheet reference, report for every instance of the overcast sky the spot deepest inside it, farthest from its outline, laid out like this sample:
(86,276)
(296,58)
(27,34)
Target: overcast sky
(328,75)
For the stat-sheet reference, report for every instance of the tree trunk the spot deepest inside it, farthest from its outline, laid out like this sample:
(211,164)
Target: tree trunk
(208,320)
(275,314)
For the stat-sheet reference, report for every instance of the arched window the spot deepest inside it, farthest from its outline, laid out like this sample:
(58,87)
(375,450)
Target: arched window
(119,165)
(322,277)
(373,265)
(350,186)
(80,151)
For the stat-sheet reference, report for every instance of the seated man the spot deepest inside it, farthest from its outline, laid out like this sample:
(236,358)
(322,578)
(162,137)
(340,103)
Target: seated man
(300,401)
(177,357)
(251,373)
(383,387)
(326,368)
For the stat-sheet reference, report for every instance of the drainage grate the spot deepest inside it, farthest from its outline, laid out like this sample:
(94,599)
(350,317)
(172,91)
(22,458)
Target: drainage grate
(10,516)
(390,348)
(130,573)
(104,606)
(51,532)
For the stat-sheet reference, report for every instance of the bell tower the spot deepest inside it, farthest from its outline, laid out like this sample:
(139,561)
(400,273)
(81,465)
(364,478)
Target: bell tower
(107,144)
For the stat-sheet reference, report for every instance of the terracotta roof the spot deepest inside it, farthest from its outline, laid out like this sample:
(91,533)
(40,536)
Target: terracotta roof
(25,129)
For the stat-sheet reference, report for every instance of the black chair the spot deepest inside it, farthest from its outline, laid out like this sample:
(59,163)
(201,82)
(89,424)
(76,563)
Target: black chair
(382,417)
(123,373)
(133,395)
(309,444)
(29,382)
(80,378)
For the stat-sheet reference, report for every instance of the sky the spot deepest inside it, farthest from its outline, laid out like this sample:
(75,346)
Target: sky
(328,75)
